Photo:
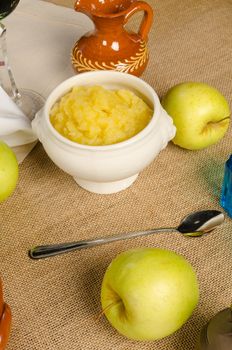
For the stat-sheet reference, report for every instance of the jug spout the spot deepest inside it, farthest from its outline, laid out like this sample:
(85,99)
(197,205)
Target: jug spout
(83,6)
(102,7)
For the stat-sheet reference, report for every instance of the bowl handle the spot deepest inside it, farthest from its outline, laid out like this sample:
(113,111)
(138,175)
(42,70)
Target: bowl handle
(36,124)
(168,128)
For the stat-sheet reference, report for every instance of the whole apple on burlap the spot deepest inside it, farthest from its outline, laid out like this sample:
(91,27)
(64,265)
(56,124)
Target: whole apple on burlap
(149,293)
(200,113)
(8,171)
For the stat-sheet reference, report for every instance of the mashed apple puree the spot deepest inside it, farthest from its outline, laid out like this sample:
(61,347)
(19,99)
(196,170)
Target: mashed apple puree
(93,115)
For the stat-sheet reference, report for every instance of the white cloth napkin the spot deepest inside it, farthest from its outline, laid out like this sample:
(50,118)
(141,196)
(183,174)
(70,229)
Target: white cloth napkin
(40,38)
(15,127)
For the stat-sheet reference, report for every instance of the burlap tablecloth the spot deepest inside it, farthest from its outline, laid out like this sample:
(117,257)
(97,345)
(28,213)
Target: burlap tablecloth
(55,301)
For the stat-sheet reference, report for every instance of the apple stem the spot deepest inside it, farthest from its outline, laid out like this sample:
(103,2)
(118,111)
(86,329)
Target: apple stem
(106,308)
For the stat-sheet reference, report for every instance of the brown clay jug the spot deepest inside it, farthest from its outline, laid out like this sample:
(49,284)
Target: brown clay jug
(110,46)
(5,321)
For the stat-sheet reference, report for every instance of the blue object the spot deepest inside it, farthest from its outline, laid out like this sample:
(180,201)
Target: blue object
(226,193)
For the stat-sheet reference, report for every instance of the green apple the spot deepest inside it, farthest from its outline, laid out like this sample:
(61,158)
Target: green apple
(200,113)
(8,171)
(149,293)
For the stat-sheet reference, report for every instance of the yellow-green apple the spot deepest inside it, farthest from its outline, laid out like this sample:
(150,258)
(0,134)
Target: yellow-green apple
(8,171)
(149,293)
(200,113)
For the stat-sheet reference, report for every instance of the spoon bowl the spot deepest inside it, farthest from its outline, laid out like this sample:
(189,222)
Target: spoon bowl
(200,222)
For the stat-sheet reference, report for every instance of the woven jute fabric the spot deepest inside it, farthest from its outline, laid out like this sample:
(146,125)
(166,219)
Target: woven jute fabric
(56,302)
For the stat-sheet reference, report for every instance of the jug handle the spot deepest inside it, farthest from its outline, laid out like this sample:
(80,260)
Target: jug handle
(147,18)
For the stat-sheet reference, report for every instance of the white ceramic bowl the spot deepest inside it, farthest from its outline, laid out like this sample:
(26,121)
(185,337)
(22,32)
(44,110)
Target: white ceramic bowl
(111,168)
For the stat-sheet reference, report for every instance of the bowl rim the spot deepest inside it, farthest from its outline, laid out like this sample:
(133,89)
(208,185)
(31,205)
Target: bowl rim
(67,84)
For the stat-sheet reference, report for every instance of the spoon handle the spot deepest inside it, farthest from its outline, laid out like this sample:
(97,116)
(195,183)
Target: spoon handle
(46,251)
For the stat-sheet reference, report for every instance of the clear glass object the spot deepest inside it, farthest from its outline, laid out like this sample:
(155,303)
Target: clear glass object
(27,100)
(226,192)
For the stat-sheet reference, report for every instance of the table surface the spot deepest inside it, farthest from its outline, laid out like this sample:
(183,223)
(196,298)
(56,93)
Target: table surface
(55,302)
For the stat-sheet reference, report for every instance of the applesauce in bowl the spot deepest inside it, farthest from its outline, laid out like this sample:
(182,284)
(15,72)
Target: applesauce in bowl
(96,116)
(113,163)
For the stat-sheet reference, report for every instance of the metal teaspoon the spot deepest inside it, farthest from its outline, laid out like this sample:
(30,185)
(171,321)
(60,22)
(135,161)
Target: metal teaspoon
(193,225)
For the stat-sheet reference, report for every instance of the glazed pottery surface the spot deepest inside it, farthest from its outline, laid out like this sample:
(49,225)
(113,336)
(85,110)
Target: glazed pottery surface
(110,46)
(5,321)
(111,168)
